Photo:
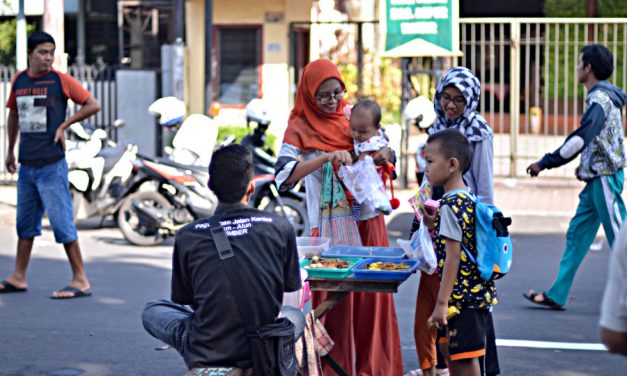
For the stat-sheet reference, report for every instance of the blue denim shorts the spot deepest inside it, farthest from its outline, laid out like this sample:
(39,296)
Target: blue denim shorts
(45,188)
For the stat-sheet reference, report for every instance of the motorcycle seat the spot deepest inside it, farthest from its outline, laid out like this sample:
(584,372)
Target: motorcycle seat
(193,168)
(111,156)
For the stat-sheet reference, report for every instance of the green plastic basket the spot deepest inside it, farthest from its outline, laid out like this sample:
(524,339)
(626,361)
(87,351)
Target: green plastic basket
(330,273)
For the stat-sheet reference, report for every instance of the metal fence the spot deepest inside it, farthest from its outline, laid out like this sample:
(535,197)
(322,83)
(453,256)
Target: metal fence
(530,93)
(527,67)
(6,76)
(98,79)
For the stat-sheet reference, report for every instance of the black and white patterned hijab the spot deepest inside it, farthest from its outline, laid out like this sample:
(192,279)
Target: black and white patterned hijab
(470,123)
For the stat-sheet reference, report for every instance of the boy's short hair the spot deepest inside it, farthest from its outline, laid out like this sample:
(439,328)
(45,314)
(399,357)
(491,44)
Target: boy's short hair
(600,59)
(37,38)
(230,172)
(453,144)
(369,105)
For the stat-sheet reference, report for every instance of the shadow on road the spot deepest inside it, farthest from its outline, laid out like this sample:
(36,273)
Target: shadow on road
(399,225)
(94,223)
(99,335)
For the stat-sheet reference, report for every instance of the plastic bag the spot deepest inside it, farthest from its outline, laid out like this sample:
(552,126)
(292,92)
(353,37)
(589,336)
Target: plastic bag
(363,181)
(297,299)
(420,247)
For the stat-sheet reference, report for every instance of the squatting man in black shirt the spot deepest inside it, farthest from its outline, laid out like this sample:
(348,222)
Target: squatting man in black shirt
(203,326)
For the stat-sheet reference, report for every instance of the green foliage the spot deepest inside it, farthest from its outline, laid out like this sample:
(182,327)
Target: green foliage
(612,8)
(579,8)
(569,48)
(381,82)
(8,40)
(568,54)
(240,133)
(562,70)
(349,74)
(388,91)
(565,8)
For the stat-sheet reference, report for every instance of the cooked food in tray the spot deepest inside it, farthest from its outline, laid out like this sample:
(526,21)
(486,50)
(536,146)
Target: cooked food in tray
(324,263)
(393,266)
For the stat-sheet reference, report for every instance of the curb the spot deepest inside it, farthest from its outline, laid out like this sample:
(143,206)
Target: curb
(8,195)
(538,197)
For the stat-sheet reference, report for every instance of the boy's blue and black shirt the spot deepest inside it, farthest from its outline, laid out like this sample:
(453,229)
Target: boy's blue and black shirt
(455,220)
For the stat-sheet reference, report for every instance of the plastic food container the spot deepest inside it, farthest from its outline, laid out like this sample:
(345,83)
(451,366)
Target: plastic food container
(297,299)
(330,273)
(308,246)
(376,252)
(361,270)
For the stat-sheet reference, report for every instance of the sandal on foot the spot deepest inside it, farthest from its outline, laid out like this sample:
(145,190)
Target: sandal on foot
(77,293)
(546,301)
(8,287)
(414,372)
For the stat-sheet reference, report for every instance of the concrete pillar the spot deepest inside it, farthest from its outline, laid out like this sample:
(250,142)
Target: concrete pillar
(80,32)
(195,56)
(178,63)
(20,51)
(137,40)
(208,50)
(53,25)
(179,19)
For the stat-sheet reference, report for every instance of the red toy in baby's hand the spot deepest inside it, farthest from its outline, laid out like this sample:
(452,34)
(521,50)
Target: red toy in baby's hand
(394,202)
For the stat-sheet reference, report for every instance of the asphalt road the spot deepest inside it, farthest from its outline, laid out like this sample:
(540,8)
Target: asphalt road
(102,335)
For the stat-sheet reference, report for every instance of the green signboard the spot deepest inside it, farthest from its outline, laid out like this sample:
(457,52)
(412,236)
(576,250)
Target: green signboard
(420,27)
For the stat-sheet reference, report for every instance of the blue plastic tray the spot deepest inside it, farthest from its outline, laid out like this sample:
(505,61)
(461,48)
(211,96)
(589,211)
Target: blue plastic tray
(354,251)
(360,271)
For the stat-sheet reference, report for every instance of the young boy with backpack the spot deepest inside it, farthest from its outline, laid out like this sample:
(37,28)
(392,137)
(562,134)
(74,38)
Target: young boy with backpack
(464,298)
(456,105)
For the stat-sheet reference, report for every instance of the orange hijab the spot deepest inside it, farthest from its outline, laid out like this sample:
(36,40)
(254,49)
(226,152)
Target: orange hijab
(309,128)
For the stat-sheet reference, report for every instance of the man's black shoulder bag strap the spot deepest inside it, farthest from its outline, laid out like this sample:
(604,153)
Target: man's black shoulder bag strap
(271,345)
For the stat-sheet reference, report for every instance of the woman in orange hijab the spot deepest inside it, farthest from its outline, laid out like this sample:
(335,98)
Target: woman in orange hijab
(364,325)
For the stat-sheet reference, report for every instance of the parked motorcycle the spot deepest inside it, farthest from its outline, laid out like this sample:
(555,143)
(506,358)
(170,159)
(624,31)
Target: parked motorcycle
(175,196)
(178,194)
(192,139)
(100,172)
(419,112)
(291,204)
(177,191)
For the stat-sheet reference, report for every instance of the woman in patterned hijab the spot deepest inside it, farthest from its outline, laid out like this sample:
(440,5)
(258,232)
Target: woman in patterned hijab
(456,102)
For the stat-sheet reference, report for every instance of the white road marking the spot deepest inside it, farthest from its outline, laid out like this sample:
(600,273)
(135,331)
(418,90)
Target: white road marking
(551,345)
(542,345)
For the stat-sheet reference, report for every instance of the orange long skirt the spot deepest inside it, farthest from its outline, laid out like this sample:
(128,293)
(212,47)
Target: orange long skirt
(425,303)
(364,325)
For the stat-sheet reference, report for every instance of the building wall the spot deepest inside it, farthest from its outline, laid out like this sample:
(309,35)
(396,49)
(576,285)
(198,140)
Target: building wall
(195,56)
(244,11)
(275,72)
(274,44)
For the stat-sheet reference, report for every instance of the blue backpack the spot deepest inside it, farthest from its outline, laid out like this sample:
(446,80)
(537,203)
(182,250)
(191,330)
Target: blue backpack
(493,243)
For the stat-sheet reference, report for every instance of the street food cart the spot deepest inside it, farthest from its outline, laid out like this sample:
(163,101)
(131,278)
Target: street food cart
(362,269)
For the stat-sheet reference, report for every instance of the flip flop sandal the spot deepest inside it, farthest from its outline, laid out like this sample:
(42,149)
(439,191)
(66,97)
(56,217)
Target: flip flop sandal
(414,372)
(546,301)
(9,288)
(77,293)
